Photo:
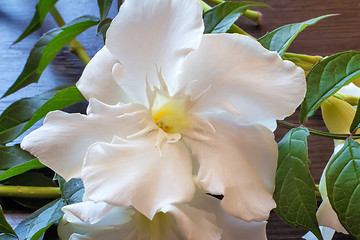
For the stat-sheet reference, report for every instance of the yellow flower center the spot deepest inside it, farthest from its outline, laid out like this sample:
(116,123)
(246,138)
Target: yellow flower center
(170,114)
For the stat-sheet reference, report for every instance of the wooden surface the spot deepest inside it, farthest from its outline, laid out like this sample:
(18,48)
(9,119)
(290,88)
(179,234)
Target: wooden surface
(327,37)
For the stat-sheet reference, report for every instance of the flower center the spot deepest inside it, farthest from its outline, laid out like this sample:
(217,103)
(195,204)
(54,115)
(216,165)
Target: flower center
(170,114)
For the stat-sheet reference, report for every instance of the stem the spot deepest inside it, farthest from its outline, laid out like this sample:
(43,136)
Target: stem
(57,17)
(74,46)
(233,28)
(318,132)
(78,50)
(254,16)
(236,29)
(29,191)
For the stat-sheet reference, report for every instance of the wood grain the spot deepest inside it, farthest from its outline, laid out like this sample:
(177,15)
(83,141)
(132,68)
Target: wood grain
(329,36)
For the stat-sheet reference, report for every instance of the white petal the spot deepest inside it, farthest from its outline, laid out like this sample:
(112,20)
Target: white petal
(101,214)
(97,80)
(150,33)
(326,232)
(76,236)
(350,90)
(62,142)
(239,161)
(194,224)
(244,78)
(233,228)
(327,217)
(85,217)
(135,172)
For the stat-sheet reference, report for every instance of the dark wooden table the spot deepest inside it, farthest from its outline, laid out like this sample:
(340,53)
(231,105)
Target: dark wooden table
(329,36)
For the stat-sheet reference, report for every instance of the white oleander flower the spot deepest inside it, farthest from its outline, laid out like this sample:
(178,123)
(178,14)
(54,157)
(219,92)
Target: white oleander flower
(167,102)
(201,219)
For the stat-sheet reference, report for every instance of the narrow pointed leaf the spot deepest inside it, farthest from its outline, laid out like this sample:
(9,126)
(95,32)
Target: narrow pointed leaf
(356,122)
(103,27)
(104,7)
(34,226)
(15,161)
(343,186)
(42,9)
(14,118)
(294,187)
(327,77)
(60,100)
(46,49)
(280,39)
(5,228)
(220,18)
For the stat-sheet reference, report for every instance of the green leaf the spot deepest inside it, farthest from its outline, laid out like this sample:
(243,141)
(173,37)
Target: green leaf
(34,226)
(220,18)
(42,9)
(294,187)
(14,118)
(15,161)
(60,100)
(104,7)
(280,39)
(21,168)
(103,27)
(343,186)
(72,191)
(327,77)
(46,49)
(356,122)
(5,227)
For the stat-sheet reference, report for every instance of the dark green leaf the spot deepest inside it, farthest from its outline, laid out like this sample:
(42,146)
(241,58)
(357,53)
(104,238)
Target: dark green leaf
(42,9)
(327,77)
(356,122)
(47,48)
(104,7)
(21,168)
(294,187)
(343,186)
(14,118)
(5,228)
(15,161)
(34,226)
(73,191)
(280,39)
(220,18)
(103,27)
(60,100)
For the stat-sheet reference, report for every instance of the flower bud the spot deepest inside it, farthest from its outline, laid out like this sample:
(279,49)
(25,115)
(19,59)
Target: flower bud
(338,115)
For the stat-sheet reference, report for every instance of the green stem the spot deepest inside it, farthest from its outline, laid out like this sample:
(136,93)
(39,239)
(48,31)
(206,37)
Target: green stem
(29,191)
(318,132)
(254,16)
(57,17)
(233,28)
(74,46)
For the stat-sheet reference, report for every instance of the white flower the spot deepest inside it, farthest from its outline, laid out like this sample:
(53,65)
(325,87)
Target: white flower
(166,101)
(202,219)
